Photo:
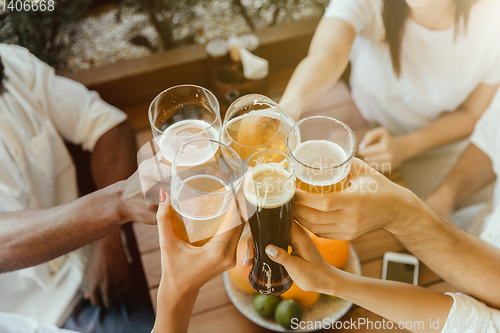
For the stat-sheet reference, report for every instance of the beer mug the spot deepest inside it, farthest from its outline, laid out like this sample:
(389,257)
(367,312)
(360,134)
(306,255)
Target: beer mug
(322,149)
(269,187)
(206,176)
(254,123)
(181,114)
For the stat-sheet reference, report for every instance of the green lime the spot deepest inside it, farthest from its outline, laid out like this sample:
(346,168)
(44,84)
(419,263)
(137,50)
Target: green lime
(265,305)
(286,311)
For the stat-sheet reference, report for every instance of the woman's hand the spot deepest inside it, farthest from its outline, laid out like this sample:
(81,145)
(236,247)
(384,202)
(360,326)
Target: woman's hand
(185,268)
(383,151)
(305,265)
(370,202)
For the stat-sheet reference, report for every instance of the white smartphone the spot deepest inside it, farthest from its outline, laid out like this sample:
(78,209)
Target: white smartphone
(400,267)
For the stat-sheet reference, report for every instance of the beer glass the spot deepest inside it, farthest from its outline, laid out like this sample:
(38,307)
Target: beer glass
(181,114)
(254,123)
(322,149)
(269,187)
(206,175)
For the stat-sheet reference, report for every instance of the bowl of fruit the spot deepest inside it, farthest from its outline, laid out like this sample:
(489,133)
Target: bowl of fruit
(283,313)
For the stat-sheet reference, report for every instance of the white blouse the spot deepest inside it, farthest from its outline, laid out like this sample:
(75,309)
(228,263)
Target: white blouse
(438,70)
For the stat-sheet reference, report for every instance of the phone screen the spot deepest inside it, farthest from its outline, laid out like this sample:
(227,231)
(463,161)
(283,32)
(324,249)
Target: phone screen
(397,271)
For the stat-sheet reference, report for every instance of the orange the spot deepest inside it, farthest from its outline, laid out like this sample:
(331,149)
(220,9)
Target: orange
(305,298)
(335,252)
(239,273)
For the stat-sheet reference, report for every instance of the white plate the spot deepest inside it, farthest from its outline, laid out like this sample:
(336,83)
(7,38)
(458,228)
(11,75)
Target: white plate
(325,307)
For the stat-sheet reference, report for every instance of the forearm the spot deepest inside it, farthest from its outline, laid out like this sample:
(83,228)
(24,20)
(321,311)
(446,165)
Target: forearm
(173,310)
(461,259)
(398,302)
(114,159)
(447,129)
(312,78)
(327,59)
(34,236)
(472,172)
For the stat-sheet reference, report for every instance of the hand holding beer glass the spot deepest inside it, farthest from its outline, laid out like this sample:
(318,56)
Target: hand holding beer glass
(269,187)
(206,175)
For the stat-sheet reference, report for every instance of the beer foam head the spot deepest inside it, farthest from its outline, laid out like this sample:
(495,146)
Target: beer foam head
(320,162)
(269,185)
(185,131)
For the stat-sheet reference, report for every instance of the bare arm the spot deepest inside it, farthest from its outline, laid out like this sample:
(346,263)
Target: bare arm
(463,260)
(453,126)
(374,202)
(379,147)
(33,236)
(471,173)
(398,302)
(113,159)
(30,237)
(327,59)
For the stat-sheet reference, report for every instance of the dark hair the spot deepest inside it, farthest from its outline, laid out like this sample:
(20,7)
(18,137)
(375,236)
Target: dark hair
(395,13)
(2,76)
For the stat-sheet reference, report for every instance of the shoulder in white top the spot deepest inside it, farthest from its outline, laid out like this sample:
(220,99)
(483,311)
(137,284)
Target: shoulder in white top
(38,111)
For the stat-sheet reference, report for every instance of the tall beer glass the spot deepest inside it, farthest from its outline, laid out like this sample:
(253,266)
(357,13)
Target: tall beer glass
(254,123)
(322,149)
(206,175)
(181,114)
(269,187)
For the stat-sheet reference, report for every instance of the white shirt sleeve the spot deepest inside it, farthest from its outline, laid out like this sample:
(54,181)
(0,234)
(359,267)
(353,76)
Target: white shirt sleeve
(14,323)
(355,12)
(79,115)
(468,315)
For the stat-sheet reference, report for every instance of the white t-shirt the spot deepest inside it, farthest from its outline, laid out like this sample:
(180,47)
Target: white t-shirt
(14,323)
(38,111)
(438,71)
(486,137)
(468,315)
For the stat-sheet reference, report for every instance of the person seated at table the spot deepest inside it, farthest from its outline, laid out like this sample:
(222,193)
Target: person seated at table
(185,268)
(38,191)
(476,168)
(422,73)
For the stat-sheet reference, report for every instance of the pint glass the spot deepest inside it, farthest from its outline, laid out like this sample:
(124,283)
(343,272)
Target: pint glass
(254,123)
(322,149)
(181,114)
(269,187)
(206,175)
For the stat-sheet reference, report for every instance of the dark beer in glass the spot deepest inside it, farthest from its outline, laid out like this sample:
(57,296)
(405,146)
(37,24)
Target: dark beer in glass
(269,187)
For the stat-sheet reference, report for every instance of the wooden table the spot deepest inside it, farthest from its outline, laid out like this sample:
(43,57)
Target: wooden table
(214,312)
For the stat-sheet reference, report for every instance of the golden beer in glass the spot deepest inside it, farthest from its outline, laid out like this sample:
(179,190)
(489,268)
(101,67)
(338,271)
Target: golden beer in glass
(182,114)
(255,123)
(206,176)
(322,149)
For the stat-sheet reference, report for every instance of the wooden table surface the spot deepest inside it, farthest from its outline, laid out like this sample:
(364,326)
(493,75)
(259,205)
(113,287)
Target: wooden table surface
(214,312)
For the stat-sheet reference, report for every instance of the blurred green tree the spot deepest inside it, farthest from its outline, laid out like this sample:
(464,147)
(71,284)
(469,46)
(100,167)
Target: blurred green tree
(44,33)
